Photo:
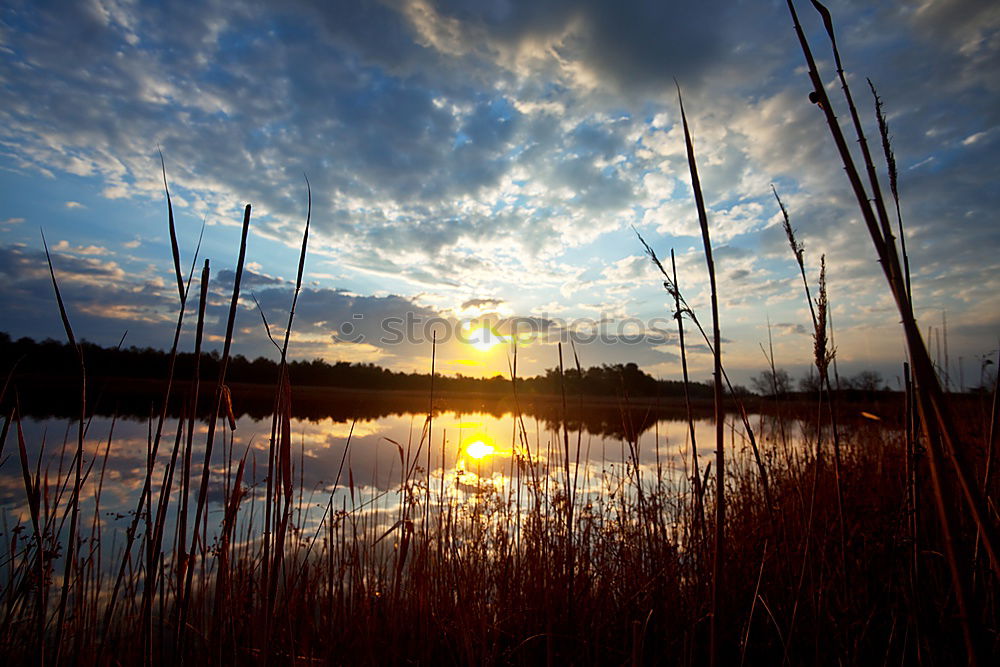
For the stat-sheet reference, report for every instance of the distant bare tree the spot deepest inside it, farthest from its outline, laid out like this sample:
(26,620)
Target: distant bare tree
(739,391)
(767,383)
(867,381)
(987,374)
(810,383)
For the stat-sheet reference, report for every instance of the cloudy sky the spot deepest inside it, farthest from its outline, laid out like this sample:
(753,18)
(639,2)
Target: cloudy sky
(488,159)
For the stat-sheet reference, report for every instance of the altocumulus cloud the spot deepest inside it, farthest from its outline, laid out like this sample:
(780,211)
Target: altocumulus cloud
(459,149)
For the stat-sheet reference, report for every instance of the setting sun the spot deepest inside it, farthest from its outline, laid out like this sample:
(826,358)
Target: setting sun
(484,338)
(479,449)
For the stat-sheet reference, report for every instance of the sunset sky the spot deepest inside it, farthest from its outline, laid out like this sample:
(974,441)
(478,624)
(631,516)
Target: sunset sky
(488,159)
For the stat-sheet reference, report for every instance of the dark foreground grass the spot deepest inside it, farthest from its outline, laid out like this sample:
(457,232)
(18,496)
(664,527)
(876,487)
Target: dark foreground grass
(502,577)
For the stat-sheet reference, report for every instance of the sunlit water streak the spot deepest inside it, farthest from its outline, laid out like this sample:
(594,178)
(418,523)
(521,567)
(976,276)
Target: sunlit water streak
(387,467)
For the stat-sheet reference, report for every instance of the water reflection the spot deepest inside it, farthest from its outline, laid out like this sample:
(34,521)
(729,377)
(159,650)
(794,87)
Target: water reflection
(374,465)
(377,452)
(611,417)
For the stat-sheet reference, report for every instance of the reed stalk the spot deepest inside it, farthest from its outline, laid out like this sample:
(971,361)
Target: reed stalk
(282,411)
(213,420)
(674,291)
(72,548)
(718,567)
(935,416)
(823,355)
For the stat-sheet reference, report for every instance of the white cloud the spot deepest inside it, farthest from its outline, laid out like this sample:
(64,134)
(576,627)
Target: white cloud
(504,149)
(64,246)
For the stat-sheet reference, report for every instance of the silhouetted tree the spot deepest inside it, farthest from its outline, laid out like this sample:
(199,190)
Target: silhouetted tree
(768,383)
(810,383)
(867,381)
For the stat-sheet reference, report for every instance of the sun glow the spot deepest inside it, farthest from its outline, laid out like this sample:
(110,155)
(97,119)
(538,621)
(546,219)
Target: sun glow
(479,449)
(483,337)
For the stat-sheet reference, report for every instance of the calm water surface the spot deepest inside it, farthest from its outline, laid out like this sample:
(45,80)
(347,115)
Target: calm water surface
(465,454)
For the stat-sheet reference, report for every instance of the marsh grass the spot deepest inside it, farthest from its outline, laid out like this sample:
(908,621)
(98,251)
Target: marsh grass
(559,564)
(428,573)
(941,438)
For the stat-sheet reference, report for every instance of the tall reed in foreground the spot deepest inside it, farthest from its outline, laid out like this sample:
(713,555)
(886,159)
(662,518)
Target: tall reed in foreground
(279,449)
(940,434)
(678,315)
(670,285)
(69,571)
(718,567)
(220,390)
(143,501)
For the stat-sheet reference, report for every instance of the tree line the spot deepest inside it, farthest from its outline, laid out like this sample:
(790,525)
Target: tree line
(779,382)
(51,358)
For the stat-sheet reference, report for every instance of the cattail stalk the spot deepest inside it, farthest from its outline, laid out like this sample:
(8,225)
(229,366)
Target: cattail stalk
(213,420)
